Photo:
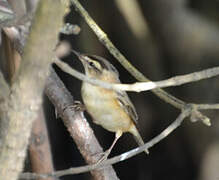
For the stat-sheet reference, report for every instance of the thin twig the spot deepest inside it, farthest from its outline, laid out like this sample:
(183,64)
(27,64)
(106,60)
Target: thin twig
(197,116)
(142,86)
(185,113)
(206,106)
(116,53)
(168,98)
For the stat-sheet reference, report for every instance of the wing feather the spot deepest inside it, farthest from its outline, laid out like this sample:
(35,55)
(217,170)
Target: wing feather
(127,105)
(123,98)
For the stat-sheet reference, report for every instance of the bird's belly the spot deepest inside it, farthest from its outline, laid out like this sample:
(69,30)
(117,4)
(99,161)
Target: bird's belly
(104,112)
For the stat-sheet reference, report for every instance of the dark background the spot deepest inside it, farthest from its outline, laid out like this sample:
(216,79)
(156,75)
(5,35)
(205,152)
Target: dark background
(178,37)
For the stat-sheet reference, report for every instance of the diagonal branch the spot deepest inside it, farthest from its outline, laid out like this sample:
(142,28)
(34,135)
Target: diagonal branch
(141,86)
(20,109)
(126,64)
(121,58)
(77,125)
(185,113)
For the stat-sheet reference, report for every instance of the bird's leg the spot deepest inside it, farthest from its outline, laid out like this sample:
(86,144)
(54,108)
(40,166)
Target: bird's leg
(108,151)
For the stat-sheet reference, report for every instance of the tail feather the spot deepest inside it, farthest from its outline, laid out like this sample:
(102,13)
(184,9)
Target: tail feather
(133,130)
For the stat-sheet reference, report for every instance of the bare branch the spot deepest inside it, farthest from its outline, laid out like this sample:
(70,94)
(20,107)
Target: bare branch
(20,109)
(77,126)
(206,106)
(39,148)
(185,113)
(178,80)
(121,58)
(142,86)
(168,98)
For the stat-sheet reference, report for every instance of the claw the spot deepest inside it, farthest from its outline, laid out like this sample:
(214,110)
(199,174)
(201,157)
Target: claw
(78,106)
(104,156)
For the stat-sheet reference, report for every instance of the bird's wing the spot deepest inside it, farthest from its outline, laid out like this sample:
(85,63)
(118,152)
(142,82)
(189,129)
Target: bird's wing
(124,100)
(127,105)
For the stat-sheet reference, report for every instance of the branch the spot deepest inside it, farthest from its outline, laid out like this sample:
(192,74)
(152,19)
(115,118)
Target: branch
(39,147)
(126,64)
(206,106)
(177,80)
(141,86)
(185,113)
(20,109)
(77,125)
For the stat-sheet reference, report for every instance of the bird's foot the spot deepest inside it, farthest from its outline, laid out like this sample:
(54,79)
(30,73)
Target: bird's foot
(103,156)
(78,106)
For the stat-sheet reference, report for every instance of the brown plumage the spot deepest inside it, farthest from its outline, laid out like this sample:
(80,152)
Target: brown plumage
(111,109)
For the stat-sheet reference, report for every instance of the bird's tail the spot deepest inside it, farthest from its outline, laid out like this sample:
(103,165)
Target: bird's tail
(133,130)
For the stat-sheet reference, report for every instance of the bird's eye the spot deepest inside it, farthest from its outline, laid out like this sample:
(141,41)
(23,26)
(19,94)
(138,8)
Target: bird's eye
(91,64)
(95,66)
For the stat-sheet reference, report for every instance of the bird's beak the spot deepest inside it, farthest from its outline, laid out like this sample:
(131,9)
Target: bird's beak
(80,56)
(76,53)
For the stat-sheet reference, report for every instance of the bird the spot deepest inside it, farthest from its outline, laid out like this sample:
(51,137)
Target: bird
(111,109)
